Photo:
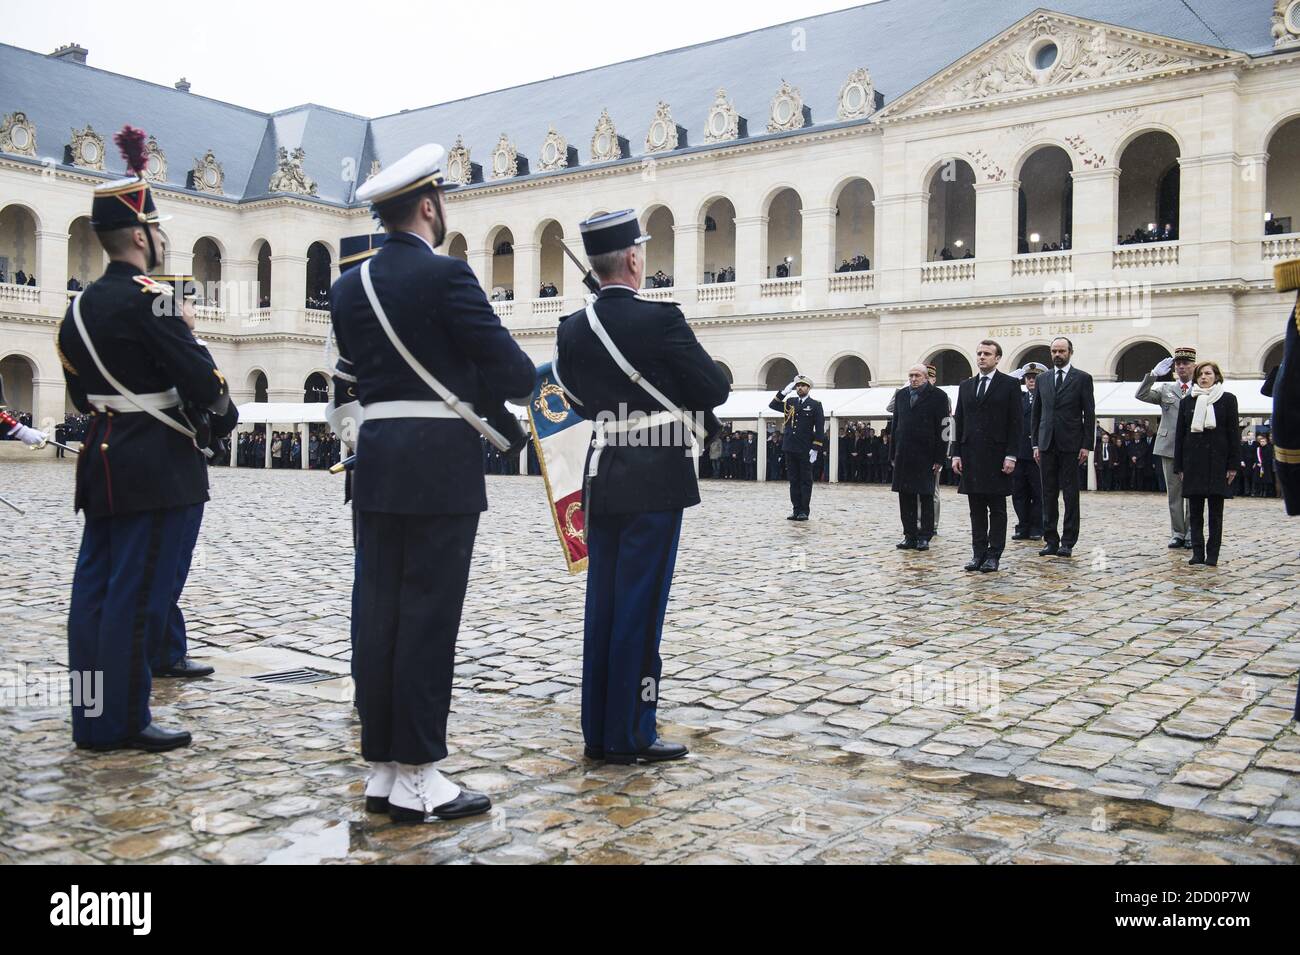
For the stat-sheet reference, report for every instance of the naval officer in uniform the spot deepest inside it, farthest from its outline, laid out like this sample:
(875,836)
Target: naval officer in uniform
(634,368)
(429,357)
(131,362)
(802,440)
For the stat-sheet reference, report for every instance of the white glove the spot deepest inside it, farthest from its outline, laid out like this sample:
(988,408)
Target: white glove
(1166,365)
(29,436)
(790,387)
(812,455)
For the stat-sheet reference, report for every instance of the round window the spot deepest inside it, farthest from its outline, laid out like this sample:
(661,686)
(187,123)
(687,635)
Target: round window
(602,144)
(784,110)
(1293,17)
(550,153)
(500,162)
(658,133)
(455,169)
(854,98)
(90,151)
(154,165)
(210,177)
(718,123)
(1043,56)
(20,137)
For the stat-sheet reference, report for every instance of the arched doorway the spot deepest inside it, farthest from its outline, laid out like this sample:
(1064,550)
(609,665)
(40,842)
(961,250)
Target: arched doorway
(851,372)
(207,271)
(501,281)
(951,367)
(20,384)
(855,227)
(264,275)
(318,276)
(1149,189)
(1273,358)
(778,373)
(1046,202)
(458,248)
(661,248)
(1039,353)
(552,261)
(1282,192)
(86,257)
(17,244)
(257,383)
(1138,359)
(719,242)
(784,235)
(951,233)
(316,389)
(722,367)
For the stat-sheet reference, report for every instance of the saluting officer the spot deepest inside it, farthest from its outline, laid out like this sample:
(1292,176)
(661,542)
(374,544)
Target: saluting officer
(634,368)
(131,361)
(801,441)
(429,358)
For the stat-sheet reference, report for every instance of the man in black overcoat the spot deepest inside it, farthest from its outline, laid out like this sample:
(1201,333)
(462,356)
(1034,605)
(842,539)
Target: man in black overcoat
(1064,420)
(986,427)
(920,416)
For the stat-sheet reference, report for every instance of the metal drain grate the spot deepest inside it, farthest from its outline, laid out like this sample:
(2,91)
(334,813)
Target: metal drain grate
(298,677)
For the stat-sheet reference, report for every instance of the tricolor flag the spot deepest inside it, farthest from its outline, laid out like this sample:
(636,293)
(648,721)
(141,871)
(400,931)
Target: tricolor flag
(561,438)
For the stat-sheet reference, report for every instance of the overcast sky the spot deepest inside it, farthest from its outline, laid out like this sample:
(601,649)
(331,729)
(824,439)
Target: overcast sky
(375,57)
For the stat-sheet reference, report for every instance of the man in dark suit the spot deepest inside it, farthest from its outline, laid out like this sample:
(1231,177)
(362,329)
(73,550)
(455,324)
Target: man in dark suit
(986,431)
(1026,482)
(417,339)
(802,441)
(1063,423)
(920,417)
(639,480)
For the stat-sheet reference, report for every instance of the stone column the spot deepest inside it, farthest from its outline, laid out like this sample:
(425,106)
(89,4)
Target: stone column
(1248,208)
(480,260)
(751,253)
(234,447)
(761,454)
(52,270)
(1096,219)
(996,217)
(902,231)
(47,402)
(288,290)
(818,252)
(528,271)
(833,465)
(269,428)
(305,429)
(688,257)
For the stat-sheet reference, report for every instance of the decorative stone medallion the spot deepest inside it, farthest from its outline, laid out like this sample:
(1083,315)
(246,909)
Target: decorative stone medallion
(87,148)
(18,135)
(787,110)
(723,123)
(505,159)
(857,96)
(663,134)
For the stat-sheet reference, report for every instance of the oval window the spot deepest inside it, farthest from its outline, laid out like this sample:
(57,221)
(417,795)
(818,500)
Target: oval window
(1045,56)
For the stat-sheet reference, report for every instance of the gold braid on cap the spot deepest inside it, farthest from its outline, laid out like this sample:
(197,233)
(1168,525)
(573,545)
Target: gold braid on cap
(1286,276)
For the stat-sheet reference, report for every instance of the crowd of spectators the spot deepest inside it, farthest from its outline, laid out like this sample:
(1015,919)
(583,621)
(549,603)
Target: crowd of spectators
(859,263)
(1153,233)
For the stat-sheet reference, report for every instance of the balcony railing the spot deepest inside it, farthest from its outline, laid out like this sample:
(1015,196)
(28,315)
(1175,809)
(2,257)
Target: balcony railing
(853,281)
(210,314)
(547,306)
(26,294)
(318,316)
(780,288)
(1279,248)
(1144,255)
(658,294)
(960,271)
(260,316)
(1042,263)
(504,310)
(716,292)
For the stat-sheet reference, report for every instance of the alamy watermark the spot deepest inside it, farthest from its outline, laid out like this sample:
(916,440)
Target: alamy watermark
(975,689)
(36,688)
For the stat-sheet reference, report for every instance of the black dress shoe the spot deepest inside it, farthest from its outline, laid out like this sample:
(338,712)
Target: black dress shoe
(185,667)
(466,804)
(1177,543)
(801,517)
(1017,536)
(793,517)
(1196,559)
(656,752)
(922,544)
(1048,551)
(990,564)
(1064,552)
(152,739)
(590,752)
(1036,537)
(377,804)
(975,564)
(905,544)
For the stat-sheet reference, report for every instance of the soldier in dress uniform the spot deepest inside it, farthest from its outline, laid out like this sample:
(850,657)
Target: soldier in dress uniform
(634,368)
(430,359)
(1026,482)
(802,440)
(1169,396)
(132,362)
(171,658)
(13,428)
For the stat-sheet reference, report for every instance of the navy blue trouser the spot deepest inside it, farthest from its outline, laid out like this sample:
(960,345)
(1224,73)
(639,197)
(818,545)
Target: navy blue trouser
(630,560)
(173,648)
(411,575)
(123,591)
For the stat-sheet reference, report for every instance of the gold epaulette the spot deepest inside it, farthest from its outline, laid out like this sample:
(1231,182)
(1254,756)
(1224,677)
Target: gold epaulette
(67,365)
(1286,276)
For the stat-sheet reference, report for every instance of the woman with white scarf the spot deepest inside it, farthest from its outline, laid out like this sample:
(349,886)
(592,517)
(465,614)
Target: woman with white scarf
(1206,456)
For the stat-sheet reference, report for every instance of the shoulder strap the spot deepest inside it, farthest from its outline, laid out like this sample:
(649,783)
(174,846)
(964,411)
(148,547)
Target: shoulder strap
(117,386)
(680,414)
(437,387)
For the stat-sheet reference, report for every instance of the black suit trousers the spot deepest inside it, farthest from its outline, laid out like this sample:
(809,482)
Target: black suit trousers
(907,508)
(1196,511)
(1027,497)
(988,524)
(1060,481)
(800,472)
(411,574)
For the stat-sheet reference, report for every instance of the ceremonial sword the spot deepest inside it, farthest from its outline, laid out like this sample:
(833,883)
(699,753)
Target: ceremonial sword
(13,505)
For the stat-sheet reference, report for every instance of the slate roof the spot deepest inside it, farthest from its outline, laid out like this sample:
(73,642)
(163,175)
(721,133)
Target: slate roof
(901,42)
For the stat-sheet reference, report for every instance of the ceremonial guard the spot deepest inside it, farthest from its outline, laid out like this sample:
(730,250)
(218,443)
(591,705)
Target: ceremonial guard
(131,361)
(634,368)
(802,440)
(427,357)
(1026,482)
(170,658)
(1169,396)
(15,429)
(986,430)
(1063,422)
(920,420)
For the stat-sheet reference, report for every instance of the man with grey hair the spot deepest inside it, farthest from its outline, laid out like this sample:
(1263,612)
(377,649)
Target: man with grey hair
(1169,396)
(918,448)
(634,368)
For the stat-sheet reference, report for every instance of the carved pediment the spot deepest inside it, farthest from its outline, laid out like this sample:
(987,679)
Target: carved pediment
(289,175)
(459,168)
(724,123)
(86,149)
(788,112)
(664,134)
(1049,52)
(155,166)
(505,159)
(207,175)
(18,135)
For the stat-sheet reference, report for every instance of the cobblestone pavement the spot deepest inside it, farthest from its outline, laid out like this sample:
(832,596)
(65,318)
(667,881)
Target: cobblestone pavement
(843,701)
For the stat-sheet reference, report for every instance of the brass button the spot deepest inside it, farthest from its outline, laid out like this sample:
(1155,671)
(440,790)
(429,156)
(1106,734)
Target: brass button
(103,447)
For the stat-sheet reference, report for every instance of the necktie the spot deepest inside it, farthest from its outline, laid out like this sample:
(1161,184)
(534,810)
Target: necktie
(979,392)
(1184,387)
(1060,377)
